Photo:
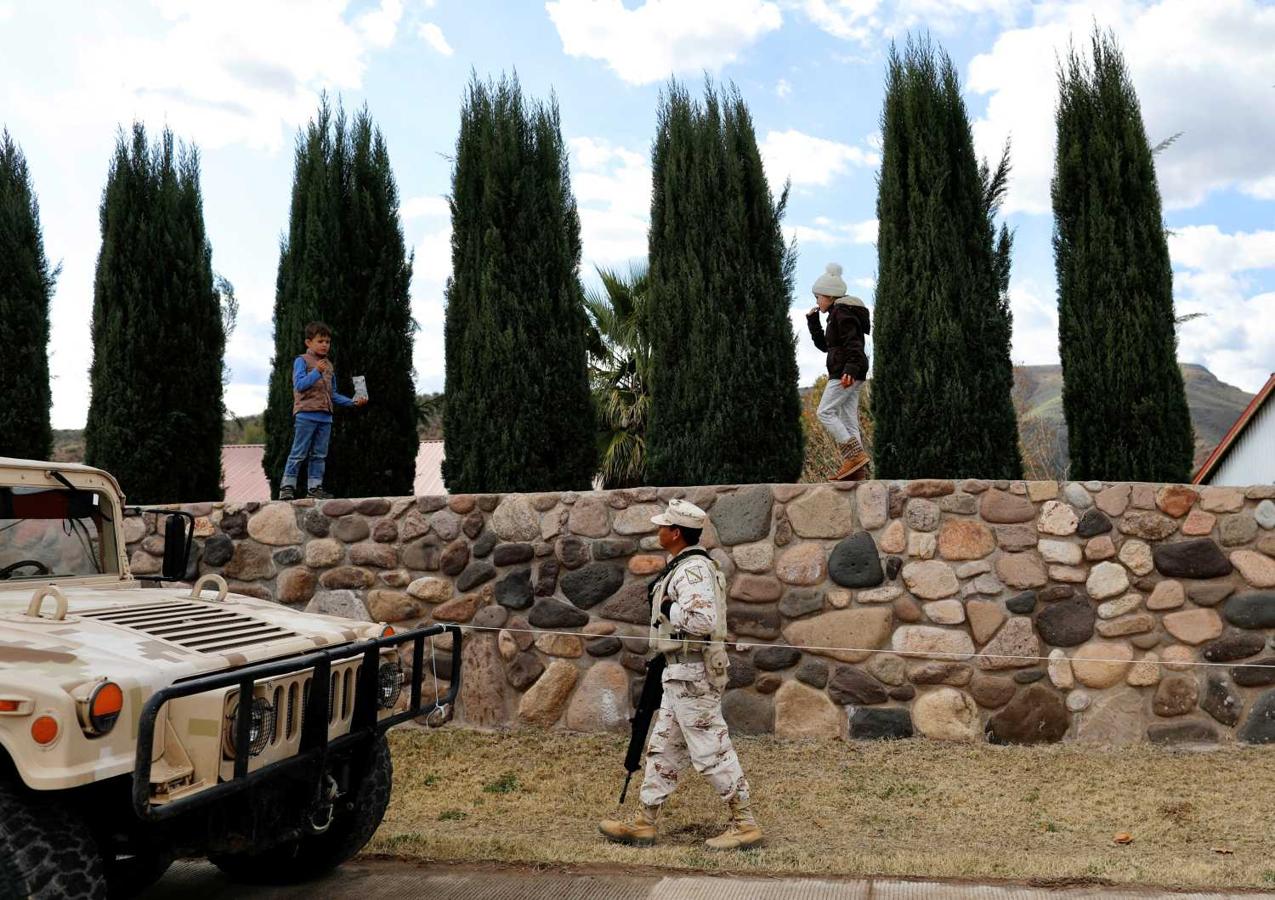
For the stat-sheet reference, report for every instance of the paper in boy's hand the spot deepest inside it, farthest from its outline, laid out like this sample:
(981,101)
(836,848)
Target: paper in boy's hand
(360,387)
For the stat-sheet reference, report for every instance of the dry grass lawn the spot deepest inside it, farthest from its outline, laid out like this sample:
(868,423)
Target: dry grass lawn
(1037,814)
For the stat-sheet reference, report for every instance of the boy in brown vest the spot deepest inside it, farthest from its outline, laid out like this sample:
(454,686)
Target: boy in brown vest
(313,393)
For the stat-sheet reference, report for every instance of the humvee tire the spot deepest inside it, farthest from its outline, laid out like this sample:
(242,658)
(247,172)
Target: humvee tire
(46,850)
(316,854)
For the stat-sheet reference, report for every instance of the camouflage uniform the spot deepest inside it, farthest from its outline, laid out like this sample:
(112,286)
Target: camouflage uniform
(689,728)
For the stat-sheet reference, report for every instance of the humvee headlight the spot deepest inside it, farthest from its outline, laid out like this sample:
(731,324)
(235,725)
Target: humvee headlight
(389,681)
(261,724)
(100,711)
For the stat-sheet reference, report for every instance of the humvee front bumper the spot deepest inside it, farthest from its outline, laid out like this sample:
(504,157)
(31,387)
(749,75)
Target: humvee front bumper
(315,740)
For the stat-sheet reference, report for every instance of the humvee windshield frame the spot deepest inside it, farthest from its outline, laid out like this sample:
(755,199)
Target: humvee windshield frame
(56,533)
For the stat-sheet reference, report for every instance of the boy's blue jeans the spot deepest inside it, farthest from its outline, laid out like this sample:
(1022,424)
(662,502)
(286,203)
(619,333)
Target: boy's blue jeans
(309,446)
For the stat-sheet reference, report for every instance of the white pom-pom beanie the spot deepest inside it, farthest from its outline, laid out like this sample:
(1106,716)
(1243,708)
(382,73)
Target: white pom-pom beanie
(830,282)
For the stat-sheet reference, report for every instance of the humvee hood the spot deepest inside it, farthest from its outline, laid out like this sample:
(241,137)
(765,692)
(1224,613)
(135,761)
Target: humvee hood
(158,636)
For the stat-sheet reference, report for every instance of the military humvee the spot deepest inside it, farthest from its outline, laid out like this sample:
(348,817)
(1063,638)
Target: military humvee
(125,740)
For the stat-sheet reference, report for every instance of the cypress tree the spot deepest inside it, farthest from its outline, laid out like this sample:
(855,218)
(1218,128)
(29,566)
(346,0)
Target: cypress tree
(155,418)
(1123,395)
(519,416)
(724,401)
(942,376)
(26,285)
(344,262)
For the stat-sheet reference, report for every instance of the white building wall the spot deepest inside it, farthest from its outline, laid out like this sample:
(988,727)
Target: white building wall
(1252,456)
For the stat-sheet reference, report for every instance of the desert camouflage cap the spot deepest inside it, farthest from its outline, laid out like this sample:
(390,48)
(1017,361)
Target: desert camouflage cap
(681,514)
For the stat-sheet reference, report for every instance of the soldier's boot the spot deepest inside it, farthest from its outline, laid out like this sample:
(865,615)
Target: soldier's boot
(640,832)
(853,461)
(742,832)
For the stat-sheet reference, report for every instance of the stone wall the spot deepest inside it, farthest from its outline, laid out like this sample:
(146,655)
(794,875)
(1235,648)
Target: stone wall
(1058,611)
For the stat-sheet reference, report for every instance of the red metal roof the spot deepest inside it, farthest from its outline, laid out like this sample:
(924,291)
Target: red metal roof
(245,479)
(1224,445)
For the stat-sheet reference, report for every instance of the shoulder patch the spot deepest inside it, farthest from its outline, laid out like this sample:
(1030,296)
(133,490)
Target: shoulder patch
(693,574)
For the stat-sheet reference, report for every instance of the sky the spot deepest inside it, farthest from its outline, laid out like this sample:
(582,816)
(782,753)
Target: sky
(239,78)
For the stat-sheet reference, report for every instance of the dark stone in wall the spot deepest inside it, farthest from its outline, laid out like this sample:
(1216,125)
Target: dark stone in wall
(1093,523)
(556,614)
(1259,674)
(1176,696)
(747,712)
(288,556)
(741,673)
(628,605)
(475,574)
(314,522)
(850,686)
(1068,623)
(512,554)
(547,578)
(881,724)
(892,566)
(772,659)
(1252,610)
(218,550)
(1221,702)
(454,558)
(351,529)
(514,590)
(1029,676)
(743,517)
(572,551)
(591,585)
(1037,715)
(423,556)
(992,691)
(373,506)
(855,563)
(614,549)
(1234,645)
(472,524)
(1199,558)
(801,602)
(603,646)
(1209,593)
(750,620)
(1259,727)
(813,672)
(1022,603)
(903,692)
(1055,592)
(234,525)
(485,543)
(523,670)
(1182,733)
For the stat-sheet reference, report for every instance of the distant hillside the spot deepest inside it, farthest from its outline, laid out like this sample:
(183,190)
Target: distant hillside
(1214,405)
(1037,394)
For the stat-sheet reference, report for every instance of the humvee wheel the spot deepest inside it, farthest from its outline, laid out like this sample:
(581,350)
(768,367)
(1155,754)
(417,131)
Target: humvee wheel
(46,851)
(356,819)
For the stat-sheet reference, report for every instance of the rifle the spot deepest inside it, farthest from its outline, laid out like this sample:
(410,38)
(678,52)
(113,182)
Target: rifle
(648,703)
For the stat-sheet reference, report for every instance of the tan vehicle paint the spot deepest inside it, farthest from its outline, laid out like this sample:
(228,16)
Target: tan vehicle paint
(61,635)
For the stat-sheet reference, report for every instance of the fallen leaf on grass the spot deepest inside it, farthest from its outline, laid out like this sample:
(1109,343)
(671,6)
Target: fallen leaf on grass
(1225,851)
(1123,837)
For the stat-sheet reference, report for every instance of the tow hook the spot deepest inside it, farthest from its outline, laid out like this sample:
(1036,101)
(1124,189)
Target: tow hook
(322,813)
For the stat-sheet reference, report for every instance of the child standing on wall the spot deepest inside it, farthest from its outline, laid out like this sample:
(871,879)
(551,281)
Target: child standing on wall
(313,394)
(843,341)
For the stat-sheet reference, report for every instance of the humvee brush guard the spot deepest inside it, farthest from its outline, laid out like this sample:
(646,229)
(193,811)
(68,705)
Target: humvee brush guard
(124,738)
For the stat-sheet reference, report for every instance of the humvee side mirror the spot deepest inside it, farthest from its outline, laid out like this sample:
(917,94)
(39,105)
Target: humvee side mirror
(179,529)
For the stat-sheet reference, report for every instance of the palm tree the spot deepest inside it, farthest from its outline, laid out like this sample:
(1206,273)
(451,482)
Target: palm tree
(619,371)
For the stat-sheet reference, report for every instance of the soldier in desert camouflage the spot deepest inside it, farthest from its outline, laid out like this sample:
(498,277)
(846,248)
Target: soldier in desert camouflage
(688,625)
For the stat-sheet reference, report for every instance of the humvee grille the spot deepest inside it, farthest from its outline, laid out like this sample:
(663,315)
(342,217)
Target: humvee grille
(201,627)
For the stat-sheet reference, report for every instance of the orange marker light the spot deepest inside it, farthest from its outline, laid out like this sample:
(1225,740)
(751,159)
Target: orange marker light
(9,706)
(388,632)
(44,730)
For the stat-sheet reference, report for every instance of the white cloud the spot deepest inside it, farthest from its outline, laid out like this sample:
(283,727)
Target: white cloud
(424,207)
(1035,312)
(783,89)
(1219,275)
(1201,67)
(612,185)
(662,37)
(826,232)
(231,72)
(808,160)
(381,24)
(6,12)
(433,35)
(865,21)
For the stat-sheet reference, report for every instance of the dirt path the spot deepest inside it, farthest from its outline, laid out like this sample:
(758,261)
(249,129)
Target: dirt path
(374,879)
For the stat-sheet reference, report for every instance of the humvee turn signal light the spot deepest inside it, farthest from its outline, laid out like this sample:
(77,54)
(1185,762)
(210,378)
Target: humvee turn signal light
(44,730)
(10,706)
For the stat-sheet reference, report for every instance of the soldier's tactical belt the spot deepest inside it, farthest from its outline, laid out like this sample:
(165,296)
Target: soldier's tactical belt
(315,743)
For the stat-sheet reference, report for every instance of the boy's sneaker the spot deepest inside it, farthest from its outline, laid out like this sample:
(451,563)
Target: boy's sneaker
(287,492)
(318,493)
